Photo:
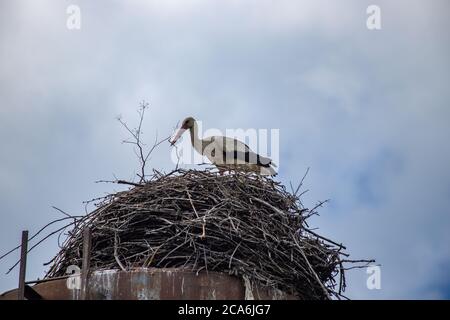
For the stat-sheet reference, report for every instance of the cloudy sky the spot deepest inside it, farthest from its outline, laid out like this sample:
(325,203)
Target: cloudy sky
(366,110)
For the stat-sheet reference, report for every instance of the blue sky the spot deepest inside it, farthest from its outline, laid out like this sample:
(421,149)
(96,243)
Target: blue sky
(366,111)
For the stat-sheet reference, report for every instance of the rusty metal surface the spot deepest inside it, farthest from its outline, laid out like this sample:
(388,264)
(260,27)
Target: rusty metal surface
(155,284)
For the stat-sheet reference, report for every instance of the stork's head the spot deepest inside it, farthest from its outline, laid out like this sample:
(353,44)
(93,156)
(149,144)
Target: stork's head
(185,125)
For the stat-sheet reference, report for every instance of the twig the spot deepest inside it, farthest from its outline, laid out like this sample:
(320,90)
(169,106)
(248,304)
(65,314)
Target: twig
(116,256)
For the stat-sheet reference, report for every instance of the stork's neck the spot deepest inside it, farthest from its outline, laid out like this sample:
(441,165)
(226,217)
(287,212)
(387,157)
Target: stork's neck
(196,142)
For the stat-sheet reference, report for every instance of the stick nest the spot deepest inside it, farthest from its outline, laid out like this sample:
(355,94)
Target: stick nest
(241,224)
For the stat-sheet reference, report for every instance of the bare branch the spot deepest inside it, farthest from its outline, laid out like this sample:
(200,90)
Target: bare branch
(136,140)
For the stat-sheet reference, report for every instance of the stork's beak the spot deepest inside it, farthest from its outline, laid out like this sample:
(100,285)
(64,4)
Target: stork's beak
(177,136)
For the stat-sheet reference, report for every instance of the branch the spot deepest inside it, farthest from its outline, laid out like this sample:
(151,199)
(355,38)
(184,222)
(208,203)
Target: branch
(136,140)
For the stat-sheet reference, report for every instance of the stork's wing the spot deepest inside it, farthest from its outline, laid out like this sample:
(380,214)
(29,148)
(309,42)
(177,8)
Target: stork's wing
(224,144)
(230,144)
(248,157)
(237,152)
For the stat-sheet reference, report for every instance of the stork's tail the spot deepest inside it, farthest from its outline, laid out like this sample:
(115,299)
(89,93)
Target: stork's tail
(267,171)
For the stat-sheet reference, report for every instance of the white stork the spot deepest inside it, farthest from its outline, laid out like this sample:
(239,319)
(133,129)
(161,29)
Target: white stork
(225,153)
